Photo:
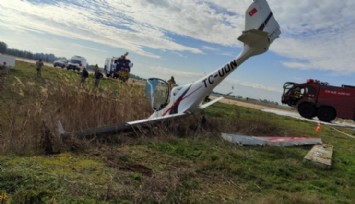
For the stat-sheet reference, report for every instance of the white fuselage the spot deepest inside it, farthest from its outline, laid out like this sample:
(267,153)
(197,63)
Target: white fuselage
(189,97)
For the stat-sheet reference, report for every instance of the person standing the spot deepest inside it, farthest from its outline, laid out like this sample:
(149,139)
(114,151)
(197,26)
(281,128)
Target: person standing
(39,66)
(96,68)
(84,76)
(171,82)
(3,68)
(98,75)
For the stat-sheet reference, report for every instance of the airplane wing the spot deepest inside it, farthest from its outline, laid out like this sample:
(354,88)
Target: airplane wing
(127,126)
(117,128)
(205,105)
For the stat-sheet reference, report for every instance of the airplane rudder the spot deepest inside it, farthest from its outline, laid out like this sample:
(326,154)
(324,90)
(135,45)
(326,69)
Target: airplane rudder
(260,17)
(256,14)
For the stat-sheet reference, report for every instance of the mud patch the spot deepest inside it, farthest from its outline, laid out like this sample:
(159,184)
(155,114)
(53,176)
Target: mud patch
(123,163)
(136,168)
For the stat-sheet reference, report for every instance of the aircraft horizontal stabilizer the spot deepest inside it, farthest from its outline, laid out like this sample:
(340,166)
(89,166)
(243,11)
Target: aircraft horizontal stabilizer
(255,38)
(211,102)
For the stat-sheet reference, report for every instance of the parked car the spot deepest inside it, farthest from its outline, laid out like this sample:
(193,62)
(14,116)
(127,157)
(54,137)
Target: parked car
(60,63)
(8,60)
(76,63)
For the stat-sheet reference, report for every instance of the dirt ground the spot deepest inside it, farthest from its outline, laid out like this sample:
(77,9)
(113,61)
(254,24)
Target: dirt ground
(243,104)
(33,61)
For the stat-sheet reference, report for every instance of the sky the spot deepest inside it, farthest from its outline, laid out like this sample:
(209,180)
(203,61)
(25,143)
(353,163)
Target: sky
(188,39)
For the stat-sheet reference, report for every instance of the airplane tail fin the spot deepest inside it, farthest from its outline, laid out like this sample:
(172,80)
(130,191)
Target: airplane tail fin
(261,28)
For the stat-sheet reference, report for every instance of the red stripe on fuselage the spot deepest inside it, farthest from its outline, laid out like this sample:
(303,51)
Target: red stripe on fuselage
(178,101)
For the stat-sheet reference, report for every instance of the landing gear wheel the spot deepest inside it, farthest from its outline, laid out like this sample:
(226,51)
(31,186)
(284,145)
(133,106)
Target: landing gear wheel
(326,114)
(307,110)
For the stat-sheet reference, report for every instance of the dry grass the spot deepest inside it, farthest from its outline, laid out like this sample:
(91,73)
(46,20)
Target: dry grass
(31,108)
(175,162)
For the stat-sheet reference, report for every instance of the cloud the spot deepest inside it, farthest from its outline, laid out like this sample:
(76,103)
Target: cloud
(253,85)
(109,27)
(136,25)
(208,48)
(315,35)
(297,65)
(178,74)
(318,33)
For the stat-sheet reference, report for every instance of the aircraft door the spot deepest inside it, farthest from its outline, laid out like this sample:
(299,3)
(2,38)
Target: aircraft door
(157,92)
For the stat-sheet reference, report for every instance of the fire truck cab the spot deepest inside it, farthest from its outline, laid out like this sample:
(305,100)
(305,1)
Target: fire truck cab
(315,98)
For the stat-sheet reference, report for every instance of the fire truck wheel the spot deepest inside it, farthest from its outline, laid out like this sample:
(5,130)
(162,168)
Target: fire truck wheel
(326,114)
(307,110)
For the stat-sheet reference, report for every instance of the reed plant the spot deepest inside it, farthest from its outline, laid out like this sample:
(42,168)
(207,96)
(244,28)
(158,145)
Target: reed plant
(31,107)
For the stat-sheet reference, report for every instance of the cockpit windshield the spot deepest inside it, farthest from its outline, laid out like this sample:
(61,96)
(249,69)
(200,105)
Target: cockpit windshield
(157,92)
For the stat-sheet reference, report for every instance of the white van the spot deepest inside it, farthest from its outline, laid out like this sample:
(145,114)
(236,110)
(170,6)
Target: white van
(76,63)
(110,66)
(8,60)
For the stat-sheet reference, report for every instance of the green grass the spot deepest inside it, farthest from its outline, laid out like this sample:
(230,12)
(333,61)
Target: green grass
(162,166)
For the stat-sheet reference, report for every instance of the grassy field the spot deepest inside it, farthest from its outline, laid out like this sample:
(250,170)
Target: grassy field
(181,162)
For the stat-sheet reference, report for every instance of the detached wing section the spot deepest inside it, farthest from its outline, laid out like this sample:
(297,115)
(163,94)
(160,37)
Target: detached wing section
(117,128)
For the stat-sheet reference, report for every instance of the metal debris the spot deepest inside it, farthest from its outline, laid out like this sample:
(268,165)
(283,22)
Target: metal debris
(270,141)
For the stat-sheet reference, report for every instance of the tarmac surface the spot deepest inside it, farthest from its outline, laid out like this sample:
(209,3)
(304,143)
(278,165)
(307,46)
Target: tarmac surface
(289,113)
(293,114)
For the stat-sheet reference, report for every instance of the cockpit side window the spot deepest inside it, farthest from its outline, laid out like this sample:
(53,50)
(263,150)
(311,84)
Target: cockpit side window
(157,93)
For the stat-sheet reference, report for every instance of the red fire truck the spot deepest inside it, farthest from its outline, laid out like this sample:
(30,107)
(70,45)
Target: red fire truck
(315,98)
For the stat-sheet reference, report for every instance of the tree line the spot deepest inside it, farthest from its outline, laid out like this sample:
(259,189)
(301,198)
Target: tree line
(26,54)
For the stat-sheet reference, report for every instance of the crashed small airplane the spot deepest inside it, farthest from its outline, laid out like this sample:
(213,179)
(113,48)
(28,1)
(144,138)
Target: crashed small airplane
(261,29)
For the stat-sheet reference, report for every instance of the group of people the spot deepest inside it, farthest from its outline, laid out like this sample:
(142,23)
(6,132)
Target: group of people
(84,74)
(97,76)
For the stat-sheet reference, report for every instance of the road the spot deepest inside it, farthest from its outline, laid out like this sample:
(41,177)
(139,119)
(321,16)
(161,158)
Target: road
(283,111)
(243,104)
(33,61)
